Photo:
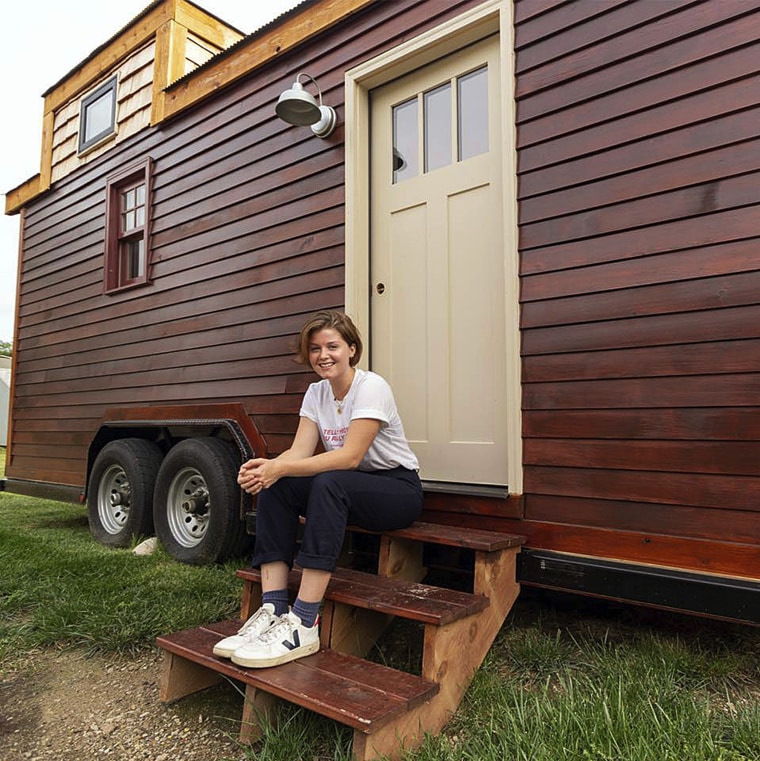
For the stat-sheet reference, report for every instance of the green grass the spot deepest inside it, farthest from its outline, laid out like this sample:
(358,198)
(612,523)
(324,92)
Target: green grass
(567,679)
(60,588)
(587,684)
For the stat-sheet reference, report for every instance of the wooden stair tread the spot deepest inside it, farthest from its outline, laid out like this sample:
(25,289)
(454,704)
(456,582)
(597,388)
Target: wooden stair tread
(453,536)
(410,600)
(355,692)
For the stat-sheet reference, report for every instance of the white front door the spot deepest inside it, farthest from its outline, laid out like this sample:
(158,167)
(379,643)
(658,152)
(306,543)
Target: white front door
(437,262)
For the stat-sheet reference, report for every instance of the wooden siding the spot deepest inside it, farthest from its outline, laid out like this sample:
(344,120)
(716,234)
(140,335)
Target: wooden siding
(640,271)
(247,240)
(638,145)
(197,52)
(133,104)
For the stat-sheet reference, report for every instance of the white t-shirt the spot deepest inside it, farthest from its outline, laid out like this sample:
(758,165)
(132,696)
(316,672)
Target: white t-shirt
(370,396)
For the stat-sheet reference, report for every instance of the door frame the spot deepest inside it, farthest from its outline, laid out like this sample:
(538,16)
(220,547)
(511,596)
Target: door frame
(490,17)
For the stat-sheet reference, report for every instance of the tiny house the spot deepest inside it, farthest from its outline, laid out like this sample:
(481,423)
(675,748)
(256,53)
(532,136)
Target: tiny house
(541,213)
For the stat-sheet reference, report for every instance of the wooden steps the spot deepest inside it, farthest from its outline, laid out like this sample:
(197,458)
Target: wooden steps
(388,710)
(355,692)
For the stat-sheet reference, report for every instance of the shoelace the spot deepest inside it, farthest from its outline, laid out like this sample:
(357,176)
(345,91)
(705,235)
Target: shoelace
(284,625)
(252,621)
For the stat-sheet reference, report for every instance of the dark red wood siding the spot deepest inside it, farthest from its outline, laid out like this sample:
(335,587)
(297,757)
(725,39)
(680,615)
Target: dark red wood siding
(638,154)
(247,239)
(638,151)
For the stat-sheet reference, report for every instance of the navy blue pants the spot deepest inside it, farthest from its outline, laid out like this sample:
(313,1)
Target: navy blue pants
(377,501)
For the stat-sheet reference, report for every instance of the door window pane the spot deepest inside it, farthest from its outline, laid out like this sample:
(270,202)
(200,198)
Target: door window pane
(405,140)
(473,113)
(437,127)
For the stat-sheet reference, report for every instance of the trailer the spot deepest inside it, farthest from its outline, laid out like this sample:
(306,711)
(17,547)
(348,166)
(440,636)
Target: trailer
(541,213)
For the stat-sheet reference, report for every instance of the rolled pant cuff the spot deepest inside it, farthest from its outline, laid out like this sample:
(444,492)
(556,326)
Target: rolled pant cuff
(316,562)
(270,557)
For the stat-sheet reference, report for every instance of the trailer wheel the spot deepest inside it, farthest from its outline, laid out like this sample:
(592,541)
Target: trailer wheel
(195,502)
(120,491)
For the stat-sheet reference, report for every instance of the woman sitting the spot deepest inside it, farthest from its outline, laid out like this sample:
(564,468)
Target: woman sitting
(367,477)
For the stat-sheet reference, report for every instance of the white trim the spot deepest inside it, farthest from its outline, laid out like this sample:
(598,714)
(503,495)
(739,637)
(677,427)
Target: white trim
(488,18)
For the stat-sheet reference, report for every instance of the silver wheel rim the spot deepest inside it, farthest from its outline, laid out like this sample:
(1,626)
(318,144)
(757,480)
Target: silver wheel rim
(114,499)
(188,507)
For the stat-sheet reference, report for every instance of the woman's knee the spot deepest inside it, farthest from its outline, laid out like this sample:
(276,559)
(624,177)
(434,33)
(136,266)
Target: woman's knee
(288,493)
(328,478)
(332,486)
(329,501)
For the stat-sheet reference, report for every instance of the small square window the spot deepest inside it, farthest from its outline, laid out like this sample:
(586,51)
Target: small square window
(128,214)
(97,115)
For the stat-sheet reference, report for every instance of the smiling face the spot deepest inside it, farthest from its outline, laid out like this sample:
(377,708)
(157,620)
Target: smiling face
(330,357)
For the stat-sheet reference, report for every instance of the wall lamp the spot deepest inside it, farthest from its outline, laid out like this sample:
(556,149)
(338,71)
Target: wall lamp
(296,106)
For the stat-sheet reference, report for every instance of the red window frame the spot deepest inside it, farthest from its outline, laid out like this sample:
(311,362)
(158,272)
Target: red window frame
(127,235)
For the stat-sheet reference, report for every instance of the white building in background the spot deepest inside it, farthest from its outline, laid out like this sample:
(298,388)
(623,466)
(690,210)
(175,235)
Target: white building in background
(5,398)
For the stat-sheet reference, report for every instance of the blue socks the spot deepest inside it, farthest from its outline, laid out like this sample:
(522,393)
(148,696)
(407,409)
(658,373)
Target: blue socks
(306,611)
(278,598)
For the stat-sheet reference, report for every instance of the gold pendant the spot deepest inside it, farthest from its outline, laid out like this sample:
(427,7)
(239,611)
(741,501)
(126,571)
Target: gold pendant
(340,410)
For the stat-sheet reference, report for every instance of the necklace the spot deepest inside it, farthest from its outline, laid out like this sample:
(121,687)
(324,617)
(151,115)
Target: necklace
(339,403)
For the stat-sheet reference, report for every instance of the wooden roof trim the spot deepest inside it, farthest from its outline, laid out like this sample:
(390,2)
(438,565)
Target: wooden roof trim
(16,199)
(206,26)
(256,51)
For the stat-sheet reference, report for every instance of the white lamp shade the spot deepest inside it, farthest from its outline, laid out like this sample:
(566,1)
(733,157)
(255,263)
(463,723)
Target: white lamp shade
(297,106)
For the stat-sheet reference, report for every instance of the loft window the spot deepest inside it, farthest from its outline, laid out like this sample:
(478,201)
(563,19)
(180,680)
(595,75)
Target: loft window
(128,198)
(97,115)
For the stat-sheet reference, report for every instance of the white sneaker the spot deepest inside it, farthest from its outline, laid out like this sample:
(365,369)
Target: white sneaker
(256,625)
(286,640)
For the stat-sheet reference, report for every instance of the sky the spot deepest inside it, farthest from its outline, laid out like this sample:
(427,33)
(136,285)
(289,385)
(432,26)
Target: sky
(44,41)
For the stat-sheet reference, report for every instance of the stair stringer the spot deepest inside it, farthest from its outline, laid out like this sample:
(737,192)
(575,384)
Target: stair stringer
(451,656)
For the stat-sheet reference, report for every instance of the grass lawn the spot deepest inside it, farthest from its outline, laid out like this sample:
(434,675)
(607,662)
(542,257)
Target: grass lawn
(567,678)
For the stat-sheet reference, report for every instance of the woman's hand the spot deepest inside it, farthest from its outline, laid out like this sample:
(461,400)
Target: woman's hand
(258,474)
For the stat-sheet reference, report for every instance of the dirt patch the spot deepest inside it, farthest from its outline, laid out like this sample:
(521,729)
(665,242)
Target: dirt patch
(66,705)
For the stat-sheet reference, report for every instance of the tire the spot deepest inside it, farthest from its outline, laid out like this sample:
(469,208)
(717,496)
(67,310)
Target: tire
(196,500)
(120,491)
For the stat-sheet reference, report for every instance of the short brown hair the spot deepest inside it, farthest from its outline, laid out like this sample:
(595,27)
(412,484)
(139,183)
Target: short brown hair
(325,319)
